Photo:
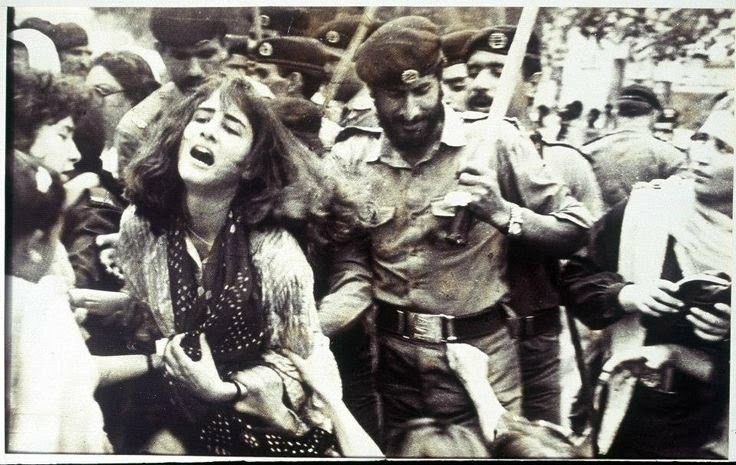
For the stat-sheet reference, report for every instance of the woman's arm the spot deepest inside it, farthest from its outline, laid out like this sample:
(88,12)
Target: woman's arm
(116,368)
(353,439)
(470,364)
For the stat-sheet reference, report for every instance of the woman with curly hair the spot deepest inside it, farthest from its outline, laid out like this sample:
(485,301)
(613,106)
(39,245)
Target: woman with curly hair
(205,245)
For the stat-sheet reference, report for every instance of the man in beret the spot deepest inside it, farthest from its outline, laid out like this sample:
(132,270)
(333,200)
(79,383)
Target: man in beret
(190,42)
(535,298)
(631,153)
(73,47)
(352,104)
(428,291)
(279,21)
(455,73)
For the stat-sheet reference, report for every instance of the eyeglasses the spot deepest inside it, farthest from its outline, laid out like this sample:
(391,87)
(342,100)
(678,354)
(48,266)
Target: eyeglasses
(104,91)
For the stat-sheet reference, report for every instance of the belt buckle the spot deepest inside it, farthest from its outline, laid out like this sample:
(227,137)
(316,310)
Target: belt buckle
(521,327)
(425,327)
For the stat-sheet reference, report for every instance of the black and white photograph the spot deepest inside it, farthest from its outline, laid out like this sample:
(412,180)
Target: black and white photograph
(375,231)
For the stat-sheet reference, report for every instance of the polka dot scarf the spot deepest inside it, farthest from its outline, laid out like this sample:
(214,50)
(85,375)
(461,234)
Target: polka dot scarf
(223,305)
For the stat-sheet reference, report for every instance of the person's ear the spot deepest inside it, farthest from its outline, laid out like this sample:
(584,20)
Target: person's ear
(296,83)
(530,85)
(35,246)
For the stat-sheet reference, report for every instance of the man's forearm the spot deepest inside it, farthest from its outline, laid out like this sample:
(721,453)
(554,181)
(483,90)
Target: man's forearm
(556,237)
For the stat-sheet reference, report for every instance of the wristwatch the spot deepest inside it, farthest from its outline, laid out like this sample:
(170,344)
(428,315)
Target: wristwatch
(515,221)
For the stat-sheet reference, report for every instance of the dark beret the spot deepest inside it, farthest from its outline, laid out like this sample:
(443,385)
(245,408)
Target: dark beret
(497,39)
(636,94)
(304,54)
(186,26)
(287,21)
(338,32)
(298,114)
(399,52)
(453,45)
(38,24)
(68,35)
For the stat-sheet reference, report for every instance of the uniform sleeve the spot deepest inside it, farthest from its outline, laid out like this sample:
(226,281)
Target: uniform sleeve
(590,282)
(525,180)
(351,284)
(83,223)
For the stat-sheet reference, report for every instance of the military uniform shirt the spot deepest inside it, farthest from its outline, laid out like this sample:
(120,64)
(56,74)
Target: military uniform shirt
(409,261)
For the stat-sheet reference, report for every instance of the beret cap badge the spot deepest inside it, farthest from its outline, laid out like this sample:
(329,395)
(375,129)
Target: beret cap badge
(265,49)
(409,76)
(497,40)
(332,37)
(265,20)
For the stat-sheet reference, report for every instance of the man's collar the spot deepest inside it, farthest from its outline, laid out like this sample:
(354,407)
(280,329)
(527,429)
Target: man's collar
(453,135)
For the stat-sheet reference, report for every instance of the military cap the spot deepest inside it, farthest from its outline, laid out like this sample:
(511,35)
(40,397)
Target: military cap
(304,54)
(339,32)
(498,39)
(38,24)
(68,35)
(636,94)
(186,26)
(399,52)
(453,46)
(298,114)
(287,21)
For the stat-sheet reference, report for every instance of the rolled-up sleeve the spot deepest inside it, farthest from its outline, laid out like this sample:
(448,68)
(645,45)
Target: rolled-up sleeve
(524,179)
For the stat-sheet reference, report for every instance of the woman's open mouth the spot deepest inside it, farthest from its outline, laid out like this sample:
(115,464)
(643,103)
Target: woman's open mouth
(203,155)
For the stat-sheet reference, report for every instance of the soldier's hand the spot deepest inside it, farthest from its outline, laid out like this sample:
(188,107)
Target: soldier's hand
(486,203)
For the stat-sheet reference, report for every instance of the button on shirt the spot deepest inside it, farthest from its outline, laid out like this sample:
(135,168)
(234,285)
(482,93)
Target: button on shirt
(408,261)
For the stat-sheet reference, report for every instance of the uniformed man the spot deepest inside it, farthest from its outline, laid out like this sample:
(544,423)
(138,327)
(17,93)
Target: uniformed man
(428,291)
(304,63)
(535,297)
(190,42)
(73,46)
(631,153)
(352,104)
(455,72)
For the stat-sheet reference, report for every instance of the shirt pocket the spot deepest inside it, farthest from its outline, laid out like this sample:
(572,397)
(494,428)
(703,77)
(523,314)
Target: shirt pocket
(382,215)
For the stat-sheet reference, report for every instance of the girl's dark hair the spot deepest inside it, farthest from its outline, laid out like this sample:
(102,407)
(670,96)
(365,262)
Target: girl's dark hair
(42,98)
(36,199)
(131,71)
(277,160)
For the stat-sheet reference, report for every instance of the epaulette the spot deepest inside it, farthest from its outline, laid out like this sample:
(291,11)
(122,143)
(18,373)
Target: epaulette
(350,131)
(470,116)
(99,197)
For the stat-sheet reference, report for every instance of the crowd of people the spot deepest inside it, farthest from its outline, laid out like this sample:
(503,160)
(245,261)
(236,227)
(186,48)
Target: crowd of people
(324,244)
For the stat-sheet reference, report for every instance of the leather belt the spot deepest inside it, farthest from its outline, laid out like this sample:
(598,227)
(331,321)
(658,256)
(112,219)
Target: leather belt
(523,327)
(426,327)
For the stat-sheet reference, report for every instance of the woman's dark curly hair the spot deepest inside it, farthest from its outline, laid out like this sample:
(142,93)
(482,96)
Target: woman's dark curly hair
(131,71)
(41,99)
(288,183)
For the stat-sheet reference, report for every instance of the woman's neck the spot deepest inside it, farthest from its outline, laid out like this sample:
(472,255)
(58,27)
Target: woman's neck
(208,211)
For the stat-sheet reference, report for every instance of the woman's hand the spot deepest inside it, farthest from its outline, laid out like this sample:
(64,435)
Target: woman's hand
(201,378)
(469,363)
(263,397)
(317,377)
(712,326)
(655,299)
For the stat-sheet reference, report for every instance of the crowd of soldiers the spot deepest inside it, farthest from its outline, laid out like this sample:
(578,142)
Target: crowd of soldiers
(457,248)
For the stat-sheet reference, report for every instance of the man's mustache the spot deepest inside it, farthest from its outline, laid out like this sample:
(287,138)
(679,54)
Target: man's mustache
(479,100)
